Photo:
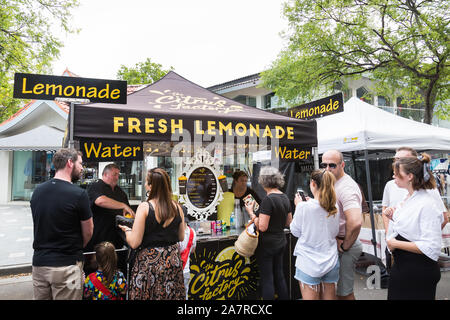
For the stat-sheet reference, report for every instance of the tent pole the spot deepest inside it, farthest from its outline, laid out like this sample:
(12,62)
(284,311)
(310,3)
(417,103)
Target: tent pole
(354,164)
(369,191)
(71,115)
(315,151)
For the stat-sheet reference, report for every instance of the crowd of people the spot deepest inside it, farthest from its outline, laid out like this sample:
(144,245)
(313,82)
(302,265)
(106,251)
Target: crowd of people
(69,220)
(328,226)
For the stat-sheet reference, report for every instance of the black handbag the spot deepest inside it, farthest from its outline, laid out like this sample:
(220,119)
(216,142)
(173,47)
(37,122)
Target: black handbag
(124,221)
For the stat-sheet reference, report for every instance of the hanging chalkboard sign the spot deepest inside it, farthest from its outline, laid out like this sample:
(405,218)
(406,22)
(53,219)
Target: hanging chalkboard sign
(202,192)
(202,187)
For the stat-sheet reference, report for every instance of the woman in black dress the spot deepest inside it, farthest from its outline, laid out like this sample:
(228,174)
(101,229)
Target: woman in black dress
(159,224)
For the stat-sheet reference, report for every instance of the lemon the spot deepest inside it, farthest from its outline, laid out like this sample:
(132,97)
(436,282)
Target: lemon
(227,254)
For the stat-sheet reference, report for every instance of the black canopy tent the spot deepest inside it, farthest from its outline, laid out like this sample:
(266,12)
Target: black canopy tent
(174,109)
(173,104)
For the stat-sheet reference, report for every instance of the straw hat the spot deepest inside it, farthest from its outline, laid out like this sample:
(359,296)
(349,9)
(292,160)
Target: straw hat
(246,243)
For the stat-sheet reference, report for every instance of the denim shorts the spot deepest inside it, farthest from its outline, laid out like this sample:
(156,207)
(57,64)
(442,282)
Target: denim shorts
(331,277)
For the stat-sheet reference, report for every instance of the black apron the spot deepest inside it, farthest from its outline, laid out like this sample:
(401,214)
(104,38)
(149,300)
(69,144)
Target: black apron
(413,276)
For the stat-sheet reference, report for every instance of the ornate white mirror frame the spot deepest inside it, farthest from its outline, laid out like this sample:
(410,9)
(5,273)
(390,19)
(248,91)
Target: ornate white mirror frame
(201,159)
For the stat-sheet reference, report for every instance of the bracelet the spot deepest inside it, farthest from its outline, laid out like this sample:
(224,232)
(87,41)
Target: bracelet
(342,247)
(127,230)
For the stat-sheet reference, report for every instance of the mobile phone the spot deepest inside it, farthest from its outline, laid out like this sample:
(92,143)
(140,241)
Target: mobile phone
(301,193)
(248,199)
(124,221)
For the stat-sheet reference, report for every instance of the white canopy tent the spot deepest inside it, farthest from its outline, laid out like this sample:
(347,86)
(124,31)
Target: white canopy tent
(362,126)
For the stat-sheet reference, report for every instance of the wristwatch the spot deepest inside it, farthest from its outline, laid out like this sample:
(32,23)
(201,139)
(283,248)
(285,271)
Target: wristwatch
(342,247)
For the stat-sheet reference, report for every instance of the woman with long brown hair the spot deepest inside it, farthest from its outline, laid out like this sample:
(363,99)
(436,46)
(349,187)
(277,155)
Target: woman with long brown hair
(316,225)
(159,224)
(414,237)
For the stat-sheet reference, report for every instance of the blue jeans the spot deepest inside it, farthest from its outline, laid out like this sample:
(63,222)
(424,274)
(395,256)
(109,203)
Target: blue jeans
(271,273)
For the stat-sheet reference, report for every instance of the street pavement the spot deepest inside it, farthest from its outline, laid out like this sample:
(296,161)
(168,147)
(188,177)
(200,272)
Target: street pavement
(21,288)
(16,234)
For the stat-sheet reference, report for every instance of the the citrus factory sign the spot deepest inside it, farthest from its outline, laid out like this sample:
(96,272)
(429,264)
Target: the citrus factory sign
(221,273)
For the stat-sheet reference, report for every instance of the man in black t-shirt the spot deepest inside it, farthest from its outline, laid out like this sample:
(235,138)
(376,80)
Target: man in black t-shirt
(62,222)
(107,200)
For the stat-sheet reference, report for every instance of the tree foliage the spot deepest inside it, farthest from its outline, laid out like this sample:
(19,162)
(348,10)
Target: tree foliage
(403,45)
(142,72)
(28,42)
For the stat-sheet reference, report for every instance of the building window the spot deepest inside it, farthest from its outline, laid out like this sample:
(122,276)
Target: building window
(30,168)
(346,92)
(414,112)
(130,179)
(363,94)
(383,101)
(247,100)
(270,101)
(399,103)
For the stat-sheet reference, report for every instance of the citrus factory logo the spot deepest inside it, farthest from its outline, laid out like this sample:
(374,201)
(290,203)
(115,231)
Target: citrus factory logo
(226,275)
(178,101)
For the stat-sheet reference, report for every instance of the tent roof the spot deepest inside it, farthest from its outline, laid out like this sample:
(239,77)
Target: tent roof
(365,127)
(42,138)
(174,97)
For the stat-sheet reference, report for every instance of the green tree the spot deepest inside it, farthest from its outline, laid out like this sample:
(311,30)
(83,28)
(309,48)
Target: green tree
(27,42)
(403,45)
(142,72)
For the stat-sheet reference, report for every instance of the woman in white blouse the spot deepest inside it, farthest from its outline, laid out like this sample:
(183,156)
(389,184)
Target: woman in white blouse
(316,225)
(415,236)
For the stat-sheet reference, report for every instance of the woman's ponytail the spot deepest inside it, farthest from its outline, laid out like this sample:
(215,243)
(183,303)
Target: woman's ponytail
(327,196)
(419,167)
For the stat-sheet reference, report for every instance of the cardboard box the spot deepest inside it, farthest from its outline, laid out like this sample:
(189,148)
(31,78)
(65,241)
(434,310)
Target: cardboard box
(378,219)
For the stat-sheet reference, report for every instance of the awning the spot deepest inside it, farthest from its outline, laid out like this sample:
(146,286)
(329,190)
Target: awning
(42,138)
(175,106)
(365,127)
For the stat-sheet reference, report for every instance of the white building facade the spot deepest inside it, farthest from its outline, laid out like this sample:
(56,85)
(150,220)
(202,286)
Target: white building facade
(28,141)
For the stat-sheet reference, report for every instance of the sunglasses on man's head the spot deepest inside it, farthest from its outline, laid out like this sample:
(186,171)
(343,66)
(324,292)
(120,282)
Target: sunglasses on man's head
(323,165)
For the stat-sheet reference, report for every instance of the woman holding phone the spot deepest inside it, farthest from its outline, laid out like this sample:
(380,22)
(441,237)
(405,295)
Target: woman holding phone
(240,188)
(316,225)
(273,216)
